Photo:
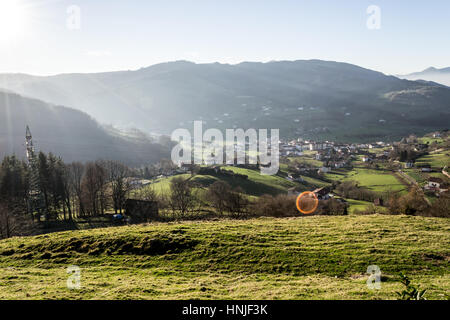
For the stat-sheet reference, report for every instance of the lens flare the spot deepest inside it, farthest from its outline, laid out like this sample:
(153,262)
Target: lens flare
(307,202)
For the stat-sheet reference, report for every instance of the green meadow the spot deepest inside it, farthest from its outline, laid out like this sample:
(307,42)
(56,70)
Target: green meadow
(436,160)
(376,180)
(255,185)
(314,257)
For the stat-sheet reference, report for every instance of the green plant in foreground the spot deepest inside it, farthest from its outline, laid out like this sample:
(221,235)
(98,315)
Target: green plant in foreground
(410,292)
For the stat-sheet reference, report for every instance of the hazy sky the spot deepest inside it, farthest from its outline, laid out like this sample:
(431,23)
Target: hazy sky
(130,34)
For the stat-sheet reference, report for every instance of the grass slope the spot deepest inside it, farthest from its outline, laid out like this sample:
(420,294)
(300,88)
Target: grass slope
(314,257)
(357,205)
(436,160)
(255,185)
(375,180)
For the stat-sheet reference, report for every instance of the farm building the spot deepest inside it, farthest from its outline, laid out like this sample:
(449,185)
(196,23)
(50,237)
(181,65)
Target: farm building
(323,193)
(138,183)
(436,185)
(295,177)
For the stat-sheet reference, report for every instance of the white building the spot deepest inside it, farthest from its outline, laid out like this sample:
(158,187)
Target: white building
(409,164)
(324,170)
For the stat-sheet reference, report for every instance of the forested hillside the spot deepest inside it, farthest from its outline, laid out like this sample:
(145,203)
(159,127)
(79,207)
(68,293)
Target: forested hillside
(67,132)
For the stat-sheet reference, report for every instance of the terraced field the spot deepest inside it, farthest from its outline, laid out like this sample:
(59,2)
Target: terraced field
(436,160)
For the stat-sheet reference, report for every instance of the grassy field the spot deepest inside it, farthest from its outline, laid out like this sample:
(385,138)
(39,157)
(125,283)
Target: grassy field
(357,205)
(430,140)
(162,185)
(255,185)
(422,177)
(374,180)
(305,160)
(436,160)
(316,257)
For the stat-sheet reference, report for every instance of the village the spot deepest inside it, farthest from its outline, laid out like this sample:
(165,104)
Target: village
(377,169)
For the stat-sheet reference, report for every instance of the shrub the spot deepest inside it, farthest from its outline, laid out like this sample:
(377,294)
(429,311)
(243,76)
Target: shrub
(440,207)
(285,206)
(351,190)
(412,203)
(224,198)
(331,207)
(410,292)
(278,206)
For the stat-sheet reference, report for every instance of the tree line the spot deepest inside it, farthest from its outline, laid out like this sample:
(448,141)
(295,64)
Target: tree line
(66,190)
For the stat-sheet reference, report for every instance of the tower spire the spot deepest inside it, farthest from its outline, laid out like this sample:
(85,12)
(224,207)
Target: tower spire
(29,145)
(36,202)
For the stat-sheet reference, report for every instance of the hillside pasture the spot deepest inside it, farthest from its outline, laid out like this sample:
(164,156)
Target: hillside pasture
(255,184)
(376,180)
(436,160)
(314,257)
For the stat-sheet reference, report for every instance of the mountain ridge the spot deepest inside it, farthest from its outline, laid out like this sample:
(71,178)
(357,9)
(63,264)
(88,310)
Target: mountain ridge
(312,98)
(441,75)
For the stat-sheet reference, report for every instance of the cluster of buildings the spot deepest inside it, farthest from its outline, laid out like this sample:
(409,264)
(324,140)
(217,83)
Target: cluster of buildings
(333,155)
(298,146)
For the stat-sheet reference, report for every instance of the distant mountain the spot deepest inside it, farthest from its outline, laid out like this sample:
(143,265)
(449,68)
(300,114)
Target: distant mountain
(441,76)
(314,98)
(68,133)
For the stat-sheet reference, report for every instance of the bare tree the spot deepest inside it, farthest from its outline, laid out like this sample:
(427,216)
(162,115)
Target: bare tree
(148,194)
(76,172)
(181,197)
(224,198)
(118,178)
(13,220)
(218,195)
(236,202)
(93,182)
(102,180)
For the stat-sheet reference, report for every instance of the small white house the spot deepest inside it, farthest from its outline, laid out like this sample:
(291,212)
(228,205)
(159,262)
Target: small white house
(324,170)
(435,184)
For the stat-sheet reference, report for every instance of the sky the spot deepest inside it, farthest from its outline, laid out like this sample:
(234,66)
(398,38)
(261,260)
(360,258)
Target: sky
(45,37)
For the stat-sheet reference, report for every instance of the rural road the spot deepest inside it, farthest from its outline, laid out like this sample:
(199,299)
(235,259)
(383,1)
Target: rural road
(414,182)
(407,177)
(445,173)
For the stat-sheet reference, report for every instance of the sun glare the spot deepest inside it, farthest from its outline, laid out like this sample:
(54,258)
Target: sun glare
(12,19)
